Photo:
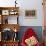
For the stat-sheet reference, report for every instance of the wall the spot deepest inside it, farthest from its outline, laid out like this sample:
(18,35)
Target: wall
(32,4)
(24,5)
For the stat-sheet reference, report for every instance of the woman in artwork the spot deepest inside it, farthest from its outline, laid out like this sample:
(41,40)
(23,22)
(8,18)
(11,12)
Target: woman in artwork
(30,38)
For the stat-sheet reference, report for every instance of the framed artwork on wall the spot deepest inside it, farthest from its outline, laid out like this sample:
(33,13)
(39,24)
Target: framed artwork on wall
(30,13)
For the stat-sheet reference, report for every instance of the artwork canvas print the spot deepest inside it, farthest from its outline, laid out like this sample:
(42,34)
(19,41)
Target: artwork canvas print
(30,13)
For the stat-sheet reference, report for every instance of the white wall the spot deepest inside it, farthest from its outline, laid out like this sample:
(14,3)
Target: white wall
(31,4)
(24,5)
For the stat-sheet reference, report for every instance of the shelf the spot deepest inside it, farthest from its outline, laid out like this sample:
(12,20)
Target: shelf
(8,10)
(7,23)
(10,26)
(10,19)
(4,8)
(11,41)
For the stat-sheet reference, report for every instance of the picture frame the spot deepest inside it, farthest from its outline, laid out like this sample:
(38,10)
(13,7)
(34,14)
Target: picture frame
(5,12)
(30,13)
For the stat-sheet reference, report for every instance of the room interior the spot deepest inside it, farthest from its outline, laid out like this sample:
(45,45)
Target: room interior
(16,16)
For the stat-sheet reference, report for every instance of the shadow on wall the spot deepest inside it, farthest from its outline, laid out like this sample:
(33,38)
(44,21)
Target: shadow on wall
(37,29)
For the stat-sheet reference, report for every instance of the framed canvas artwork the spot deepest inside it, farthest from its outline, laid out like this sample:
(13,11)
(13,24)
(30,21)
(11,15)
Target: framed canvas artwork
(30,13)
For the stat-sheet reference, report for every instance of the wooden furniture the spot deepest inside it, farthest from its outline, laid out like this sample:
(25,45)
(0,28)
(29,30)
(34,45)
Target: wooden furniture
(10,43)
(11,26)
(5,13)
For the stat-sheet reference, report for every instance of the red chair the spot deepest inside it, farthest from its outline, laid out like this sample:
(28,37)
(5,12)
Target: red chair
(29,33)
